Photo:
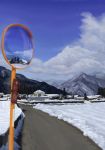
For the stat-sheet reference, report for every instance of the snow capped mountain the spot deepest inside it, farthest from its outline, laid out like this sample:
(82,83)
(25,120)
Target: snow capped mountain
(55,83)
(83,84)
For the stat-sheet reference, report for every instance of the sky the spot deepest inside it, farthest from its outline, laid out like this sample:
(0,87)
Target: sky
(68,35)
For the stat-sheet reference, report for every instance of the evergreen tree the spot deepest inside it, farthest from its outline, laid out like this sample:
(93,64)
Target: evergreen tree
(64,94)
(85,96)
(101,91)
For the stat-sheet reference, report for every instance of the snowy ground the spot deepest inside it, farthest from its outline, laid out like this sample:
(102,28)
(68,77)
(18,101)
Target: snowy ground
(89,117)
(4,115)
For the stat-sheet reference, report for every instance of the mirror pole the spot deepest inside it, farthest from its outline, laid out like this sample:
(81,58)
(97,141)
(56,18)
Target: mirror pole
(12,108)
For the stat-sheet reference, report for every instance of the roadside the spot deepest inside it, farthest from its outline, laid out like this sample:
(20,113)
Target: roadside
(41,131)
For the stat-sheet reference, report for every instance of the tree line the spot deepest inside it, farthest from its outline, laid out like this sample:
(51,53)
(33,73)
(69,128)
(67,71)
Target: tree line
(101,91)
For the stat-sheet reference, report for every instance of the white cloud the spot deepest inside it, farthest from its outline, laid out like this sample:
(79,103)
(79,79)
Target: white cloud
(3,62)
(85,55)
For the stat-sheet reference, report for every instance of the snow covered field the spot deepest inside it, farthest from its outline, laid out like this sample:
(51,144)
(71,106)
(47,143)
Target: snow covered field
(89,118)
(4,115)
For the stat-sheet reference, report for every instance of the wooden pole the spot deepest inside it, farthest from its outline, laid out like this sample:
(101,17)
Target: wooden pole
(12,108)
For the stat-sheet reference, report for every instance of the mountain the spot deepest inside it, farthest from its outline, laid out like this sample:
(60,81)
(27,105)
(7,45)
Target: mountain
(26,85)
(83,84)
(55,83)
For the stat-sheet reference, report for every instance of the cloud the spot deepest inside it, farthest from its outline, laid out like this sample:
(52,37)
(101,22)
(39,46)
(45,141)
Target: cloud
(3,62)
(87,54)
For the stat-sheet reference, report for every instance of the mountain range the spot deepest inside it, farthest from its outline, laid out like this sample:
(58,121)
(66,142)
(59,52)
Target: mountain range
(79,85)
(26,85)
(83,84)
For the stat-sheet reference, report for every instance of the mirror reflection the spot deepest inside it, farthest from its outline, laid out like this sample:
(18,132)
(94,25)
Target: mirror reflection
(18,46)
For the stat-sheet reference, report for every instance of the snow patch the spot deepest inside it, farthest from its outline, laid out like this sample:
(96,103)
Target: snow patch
(89,118)
(5,117)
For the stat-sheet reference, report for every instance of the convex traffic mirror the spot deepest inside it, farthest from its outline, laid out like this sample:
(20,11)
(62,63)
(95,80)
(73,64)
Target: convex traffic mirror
(17,45)
(17,48)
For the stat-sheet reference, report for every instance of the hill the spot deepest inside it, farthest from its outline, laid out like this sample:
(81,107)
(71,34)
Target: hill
(26,85)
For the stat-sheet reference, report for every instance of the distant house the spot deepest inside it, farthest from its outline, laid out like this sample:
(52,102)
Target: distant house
(77,97)
(94,97)
(53,96)
(39,93)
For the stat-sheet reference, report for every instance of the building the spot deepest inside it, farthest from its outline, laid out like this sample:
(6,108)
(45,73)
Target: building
(39,93)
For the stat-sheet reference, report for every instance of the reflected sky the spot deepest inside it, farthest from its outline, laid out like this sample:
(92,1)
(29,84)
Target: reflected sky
(18,44)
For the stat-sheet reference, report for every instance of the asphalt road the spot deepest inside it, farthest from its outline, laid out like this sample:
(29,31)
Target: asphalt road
(42,132)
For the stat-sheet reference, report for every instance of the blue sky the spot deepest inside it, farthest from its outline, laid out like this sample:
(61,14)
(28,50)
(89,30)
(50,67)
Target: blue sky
(69,35)
(54,23)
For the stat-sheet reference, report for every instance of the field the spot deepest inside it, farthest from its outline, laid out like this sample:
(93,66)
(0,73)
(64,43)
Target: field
(89,118)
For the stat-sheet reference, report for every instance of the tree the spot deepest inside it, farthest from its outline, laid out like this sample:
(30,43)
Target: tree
(73,96)
(101,91)
(85,96)
(64,95)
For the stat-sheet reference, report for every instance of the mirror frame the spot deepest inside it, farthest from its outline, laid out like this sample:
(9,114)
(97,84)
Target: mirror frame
(3,39)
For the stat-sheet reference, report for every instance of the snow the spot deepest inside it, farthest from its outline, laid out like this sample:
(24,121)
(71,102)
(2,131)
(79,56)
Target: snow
(4,99)
(23,100)
(88,117)
(47,100)
(98,100)
(72,100)
(19,65)
(17,134)
(94,96)
(39,91)
(4,115)
(52,95)
(54,100)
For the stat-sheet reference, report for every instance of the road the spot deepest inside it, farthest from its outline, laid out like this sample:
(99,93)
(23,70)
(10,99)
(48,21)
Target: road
(43,132)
